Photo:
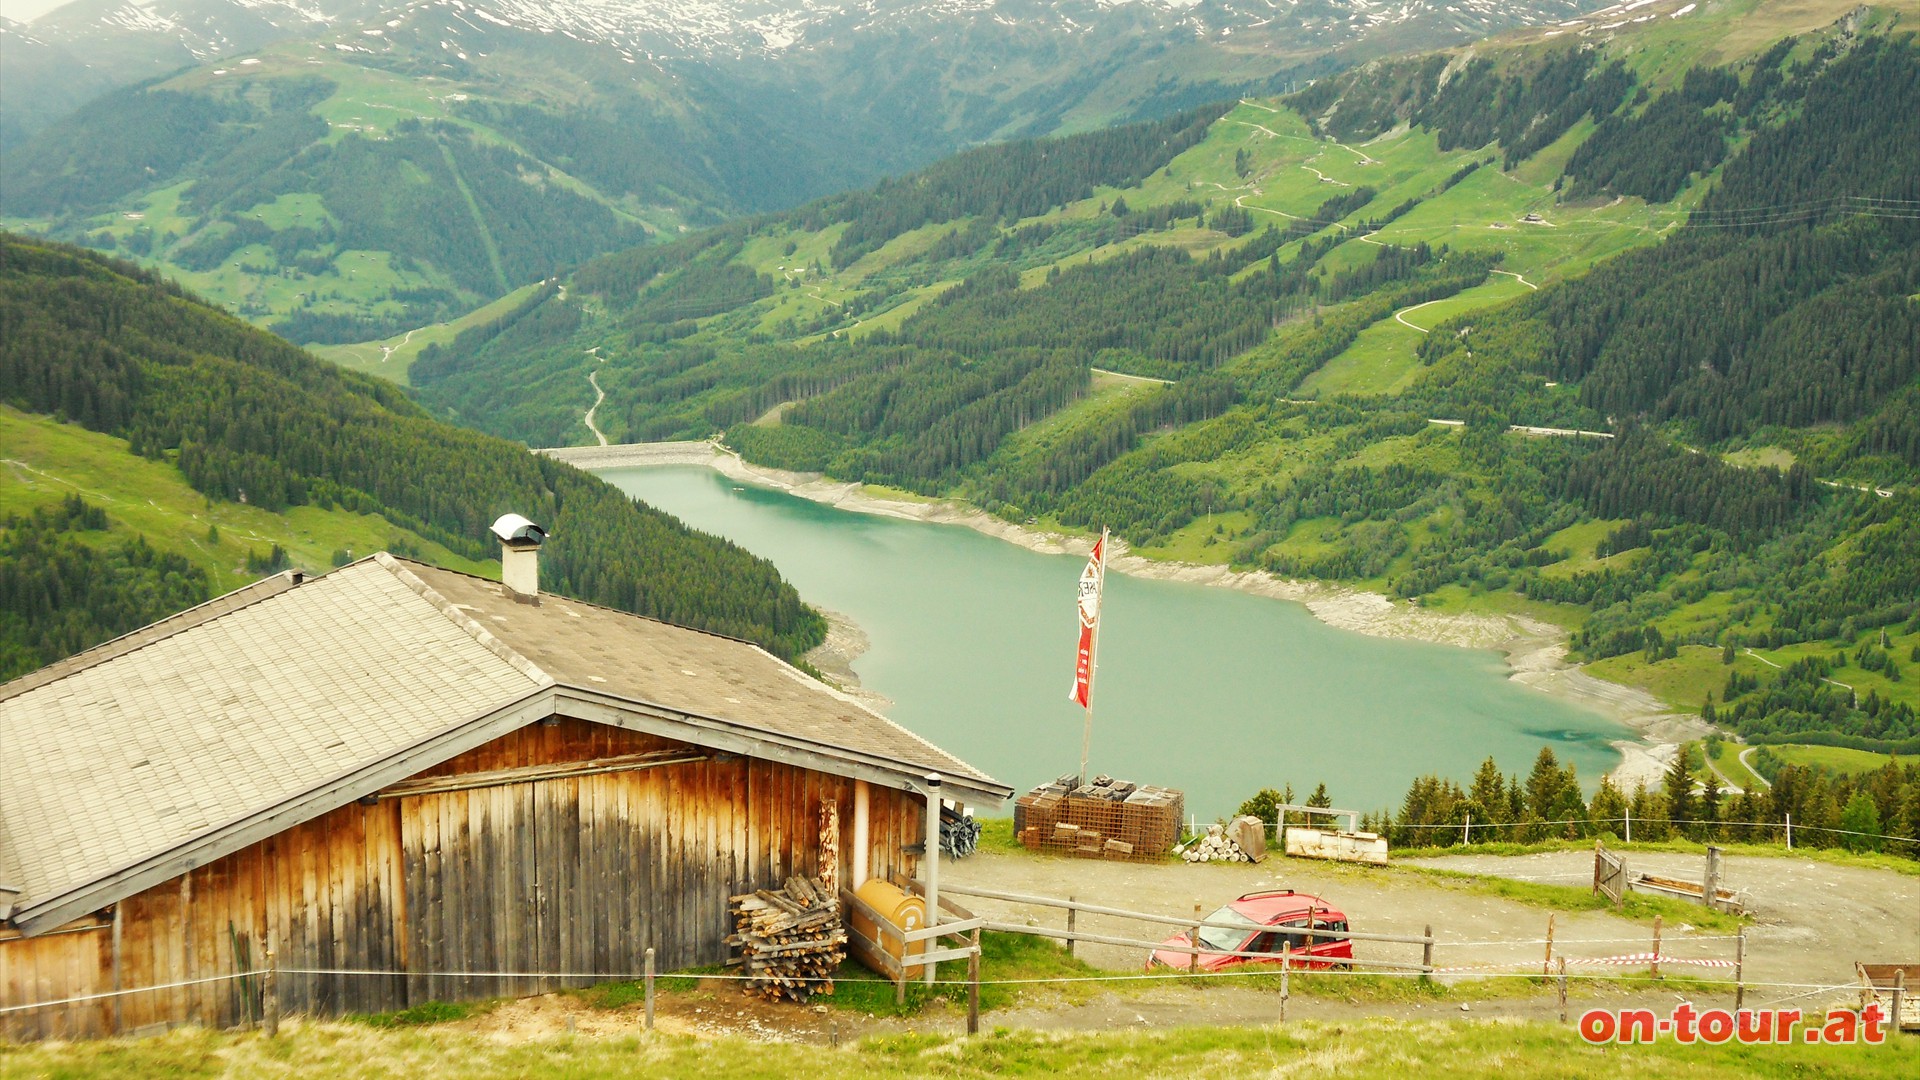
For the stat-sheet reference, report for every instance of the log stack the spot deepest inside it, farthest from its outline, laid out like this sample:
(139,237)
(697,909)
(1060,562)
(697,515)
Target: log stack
(791,940)
(1215,846)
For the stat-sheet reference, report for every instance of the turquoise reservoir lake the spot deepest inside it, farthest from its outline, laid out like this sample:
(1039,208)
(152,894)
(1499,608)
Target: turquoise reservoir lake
(1215,692)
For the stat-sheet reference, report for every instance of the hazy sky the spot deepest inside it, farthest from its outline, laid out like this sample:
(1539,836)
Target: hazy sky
(22,10)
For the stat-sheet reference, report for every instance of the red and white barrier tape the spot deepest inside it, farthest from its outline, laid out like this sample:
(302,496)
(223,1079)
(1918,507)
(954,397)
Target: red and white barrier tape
(1647,959)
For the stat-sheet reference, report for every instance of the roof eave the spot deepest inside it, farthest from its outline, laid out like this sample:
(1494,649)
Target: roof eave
(714,733)
(579,703)
(46,914)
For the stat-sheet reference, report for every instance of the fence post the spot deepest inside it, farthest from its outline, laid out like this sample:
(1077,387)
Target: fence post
(1629,824)
(1710,882)
(973,986)
(1193,958)
(1563,989)
(1426,956)
(1739,969)
(270,991)
(1899,997)
(1789,831)
(933,872)
(1286,969)
(649,989)
(1071,912)
(1546,966)
(1656,946)
(900,984)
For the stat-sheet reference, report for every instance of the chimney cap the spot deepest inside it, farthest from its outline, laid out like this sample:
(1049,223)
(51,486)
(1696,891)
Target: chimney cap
(517,530)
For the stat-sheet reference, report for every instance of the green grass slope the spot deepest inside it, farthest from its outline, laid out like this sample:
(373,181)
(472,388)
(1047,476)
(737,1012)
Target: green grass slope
(211,450)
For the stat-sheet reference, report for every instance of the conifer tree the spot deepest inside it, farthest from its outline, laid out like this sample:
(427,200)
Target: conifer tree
(1608,808)
(1860,817)
(1679,790)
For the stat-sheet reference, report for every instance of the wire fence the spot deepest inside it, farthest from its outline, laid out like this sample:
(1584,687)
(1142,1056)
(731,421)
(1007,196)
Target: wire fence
(1469,827)
(1266,972)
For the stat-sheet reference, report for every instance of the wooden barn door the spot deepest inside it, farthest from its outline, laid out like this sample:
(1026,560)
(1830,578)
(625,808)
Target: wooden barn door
(495,888)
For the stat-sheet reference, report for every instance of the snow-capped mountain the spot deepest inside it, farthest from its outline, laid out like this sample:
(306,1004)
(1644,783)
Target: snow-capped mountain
(203,29)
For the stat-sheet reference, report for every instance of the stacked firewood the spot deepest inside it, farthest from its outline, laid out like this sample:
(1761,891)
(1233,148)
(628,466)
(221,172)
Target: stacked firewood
(790,941)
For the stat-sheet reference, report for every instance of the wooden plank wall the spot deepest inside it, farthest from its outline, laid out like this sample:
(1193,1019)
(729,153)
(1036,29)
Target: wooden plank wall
(70,962)
(456,891)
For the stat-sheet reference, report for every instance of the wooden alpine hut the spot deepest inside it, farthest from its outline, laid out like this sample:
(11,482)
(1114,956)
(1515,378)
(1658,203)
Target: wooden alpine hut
(411,784)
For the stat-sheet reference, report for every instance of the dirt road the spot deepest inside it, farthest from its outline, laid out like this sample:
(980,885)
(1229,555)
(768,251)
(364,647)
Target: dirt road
(1812,920)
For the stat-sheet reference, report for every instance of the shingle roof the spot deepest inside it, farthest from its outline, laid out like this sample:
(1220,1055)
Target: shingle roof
(143,750)
(612,652)
(138,747)
(172,624)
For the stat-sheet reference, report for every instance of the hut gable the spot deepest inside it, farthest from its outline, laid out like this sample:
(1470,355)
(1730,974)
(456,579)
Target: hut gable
(710,678)
(201,735)
(145,751)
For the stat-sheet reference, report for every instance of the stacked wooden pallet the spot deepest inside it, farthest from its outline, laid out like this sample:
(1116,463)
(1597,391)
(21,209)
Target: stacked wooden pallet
(1107,819)
(790,940)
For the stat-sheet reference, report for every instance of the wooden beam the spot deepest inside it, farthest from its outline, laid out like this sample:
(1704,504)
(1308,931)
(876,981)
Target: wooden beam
(941,930)
(815,755)
(1165,920)
(526,774)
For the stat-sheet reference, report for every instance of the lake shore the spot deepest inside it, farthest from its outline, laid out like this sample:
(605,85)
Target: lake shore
(1536,652)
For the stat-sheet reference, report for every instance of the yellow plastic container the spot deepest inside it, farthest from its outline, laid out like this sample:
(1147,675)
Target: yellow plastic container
(901,910)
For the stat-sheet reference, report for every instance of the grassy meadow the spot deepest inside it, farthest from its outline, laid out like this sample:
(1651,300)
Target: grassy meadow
(45,461)
(1377,1048)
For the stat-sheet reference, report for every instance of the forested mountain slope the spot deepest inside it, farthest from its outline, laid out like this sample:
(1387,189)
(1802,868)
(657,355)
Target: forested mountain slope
(343,170)
(1612,326)
(202,399)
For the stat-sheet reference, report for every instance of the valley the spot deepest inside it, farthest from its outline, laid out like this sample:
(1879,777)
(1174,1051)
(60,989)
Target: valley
(1405,385)
(519,508)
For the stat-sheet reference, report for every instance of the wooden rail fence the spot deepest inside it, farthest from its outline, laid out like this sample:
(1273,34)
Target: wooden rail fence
(1072,933)
(894,962)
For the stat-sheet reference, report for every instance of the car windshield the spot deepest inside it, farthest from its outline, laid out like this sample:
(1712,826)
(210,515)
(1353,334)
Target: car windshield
(1224,940)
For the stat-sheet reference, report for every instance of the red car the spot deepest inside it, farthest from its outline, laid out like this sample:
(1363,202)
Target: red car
(1267,922)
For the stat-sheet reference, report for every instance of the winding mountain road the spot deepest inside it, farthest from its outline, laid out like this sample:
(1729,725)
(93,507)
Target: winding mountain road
(599,395)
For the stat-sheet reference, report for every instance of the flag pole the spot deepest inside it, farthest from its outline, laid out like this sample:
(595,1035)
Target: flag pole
(1093,663)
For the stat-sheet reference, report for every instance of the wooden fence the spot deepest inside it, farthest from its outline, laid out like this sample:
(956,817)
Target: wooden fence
(1071,934)
(894,962)
(1609,875)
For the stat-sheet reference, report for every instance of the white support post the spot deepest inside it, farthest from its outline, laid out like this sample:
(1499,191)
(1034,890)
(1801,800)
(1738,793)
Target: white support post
(860,835)
(933,863)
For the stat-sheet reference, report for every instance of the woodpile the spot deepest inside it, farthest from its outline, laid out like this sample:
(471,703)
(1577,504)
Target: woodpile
(790,941)
(1215,846)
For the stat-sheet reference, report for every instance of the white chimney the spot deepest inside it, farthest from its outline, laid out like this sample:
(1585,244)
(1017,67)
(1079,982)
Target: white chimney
(520,555)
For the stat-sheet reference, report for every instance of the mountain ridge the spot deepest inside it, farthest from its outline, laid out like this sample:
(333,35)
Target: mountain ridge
(664,116)
(1474,258)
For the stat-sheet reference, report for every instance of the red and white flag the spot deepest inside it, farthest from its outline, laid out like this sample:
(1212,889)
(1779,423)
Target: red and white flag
(1092,580)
